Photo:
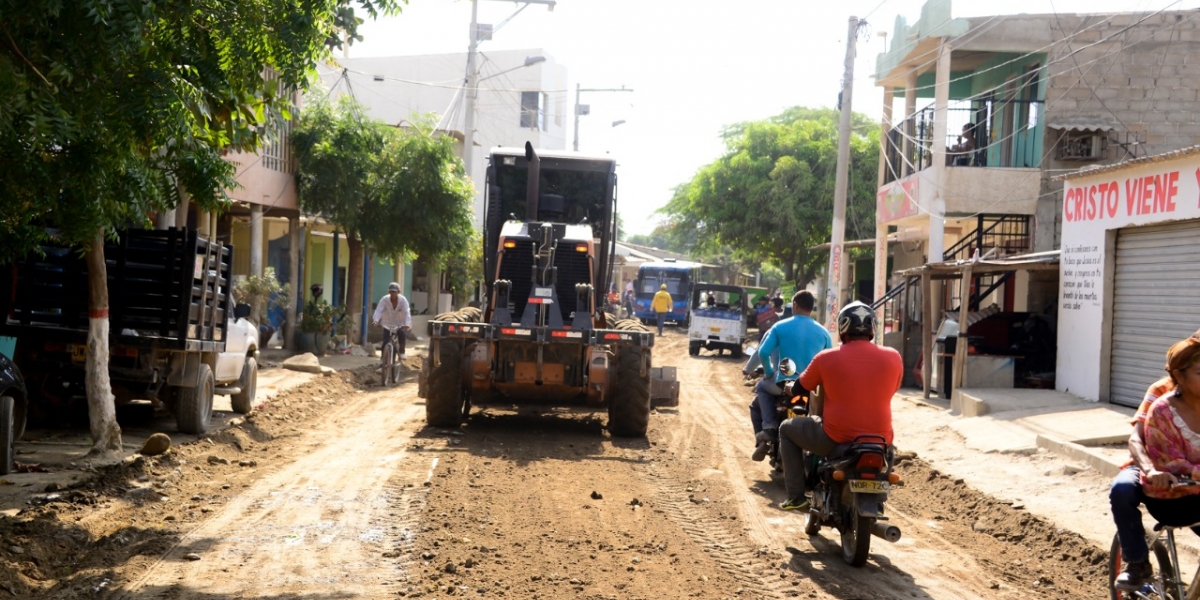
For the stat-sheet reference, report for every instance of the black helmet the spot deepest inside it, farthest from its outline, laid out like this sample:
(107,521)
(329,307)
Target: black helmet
(856,318)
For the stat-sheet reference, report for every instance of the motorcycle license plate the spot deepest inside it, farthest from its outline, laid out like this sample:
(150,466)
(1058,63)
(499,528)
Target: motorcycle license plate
(865,486)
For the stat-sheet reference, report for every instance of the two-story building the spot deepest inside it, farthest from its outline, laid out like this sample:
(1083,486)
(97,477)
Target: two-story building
(995,107)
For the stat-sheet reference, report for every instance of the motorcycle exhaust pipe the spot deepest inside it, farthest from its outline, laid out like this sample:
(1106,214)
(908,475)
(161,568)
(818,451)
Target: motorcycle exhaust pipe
(885,531)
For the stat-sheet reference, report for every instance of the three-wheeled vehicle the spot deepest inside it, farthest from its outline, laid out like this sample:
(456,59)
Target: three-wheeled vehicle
(718,319)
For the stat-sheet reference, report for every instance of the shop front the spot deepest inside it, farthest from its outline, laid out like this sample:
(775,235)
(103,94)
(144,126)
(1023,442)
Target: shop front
(1130,268)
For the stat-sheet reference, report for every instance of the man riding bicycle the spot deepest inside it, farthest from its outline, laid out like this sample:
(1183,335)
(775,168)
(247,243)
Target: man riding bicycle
(859,380)
(393,314)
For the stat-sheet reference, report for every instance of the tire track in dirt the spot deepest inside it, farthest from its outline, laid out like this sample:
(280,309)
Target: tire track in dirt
(321,522)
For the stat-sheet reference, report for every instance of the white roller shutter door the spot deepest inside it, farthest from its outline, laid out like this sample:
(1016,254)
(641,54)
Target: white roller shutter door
(1156,302)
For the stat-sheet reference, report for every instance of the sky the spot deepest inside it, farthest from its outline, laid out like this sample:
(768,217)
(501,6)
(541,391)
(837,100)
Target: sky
(695,66)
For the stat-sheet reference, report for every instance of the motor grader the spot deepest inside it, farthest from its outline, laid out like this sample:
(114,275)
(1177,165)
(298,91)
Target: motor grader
(541,336)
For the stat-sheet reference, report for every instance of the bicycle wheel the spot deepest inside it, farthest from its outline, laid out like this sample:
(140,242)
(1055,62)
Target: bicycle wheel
(388,366)
(1161,587)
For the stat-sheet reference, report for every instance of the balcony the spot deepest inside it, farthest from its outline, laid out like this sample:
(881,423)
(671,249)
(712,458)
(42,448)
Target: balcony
(994,158)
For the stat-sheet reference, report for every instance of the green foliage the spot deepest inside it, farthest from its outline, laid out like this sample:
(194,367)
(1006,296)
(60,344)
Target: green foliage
(318,317)
(108,110)
(466,266)
(257,290)
(403,192)
(770,197)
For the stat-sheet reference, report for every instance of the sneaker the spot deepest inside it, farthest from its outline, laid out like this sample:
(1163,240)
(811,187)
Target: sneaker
(795,504)
(1133,576)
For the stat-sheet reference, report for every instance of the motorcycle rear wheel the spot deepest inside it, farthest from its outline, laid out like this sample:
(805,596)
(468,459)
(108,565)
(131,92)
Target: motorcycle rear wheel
(856,533)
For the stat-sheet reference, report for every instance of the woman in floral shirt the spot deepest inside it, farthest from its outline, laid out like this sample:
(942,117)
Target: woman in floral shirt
(1173,441)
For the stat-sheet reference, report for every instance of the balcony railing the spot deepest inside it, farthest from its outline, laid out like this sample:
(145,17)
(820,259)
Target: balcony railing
(991,132)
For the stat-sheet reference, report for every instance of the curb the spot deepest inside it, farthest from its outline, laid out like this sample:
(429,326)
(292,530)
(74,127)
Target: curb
(1097,462)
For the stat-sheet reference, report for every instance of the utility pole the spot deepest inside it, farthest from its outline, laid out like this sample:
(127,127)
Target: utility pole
(833,279)
(472,92)
(578,107)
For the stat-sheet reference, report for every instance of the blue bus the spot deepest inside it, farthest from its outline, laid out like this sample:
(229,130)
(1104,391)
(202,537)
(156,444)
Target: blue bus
(679,276)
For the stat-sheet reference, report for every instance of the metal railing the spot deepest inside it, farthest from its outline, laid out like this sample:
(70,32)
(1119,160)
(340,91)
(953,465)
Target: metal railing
(1008,234)
(991,132)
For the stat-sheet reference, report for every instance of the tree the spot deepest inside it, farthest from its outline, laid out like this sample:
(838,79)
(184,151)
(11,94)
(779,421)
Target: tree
(403,192)
(770,196)
(109,111)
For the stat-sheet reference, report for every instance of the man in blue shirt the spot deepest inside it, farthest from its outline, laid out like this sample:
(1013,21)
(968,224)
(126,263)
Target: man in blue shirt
(798,338)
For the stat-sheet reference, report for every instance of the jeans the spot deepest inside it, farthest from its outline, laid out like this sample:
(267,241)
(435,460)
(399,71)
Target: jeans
(662,318)
(794,435)
(1124,497)
(762,409)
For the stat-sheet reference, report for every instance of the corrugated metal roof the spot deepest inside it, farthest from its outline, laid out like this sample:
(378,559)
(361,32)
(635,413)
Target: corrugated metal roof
(1098,169)
(1083,123)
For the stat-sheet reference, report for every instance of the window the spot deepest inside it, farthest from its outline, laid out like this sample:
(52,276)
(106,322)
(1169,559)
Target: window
(1082,145)
(532,111)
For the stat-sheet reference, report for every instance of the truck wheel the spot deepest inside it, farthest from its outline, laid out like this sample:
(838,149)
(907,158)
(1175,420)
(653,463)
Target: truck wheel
(443,390)
(737,351)
(7,434)
(694,348)
(629,409)
(193,411)
(244,401)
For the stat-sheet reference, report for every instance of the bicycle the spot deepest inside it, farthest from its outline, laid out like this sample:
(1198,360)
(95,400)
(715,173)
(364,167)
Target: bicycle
(1167,584)
(389,358)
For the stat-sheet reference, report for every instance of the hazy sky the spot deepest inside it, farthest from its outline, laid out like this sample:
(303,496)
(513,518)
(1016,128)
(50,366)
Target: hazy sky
(695,66)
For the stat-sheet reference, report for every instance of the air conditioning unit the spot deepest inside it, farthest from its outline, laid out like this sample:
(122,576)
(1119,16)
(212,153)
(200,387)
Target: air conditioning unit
(1082,146)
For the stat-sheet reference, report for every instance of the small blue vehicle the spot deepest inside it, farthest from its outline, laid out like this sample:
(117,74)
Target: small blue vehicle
(679,277)
(718,319)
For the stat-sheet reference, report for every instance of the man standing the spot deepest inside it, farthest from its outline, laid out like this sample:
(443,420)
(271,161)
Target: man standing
(798,338)
(859,380)
(392,311)
(662,306)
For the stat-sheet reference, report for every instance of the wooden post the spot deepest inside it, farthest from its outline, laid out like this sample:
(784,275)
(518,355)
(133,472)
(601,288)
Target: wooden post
(960,348)
(927,357)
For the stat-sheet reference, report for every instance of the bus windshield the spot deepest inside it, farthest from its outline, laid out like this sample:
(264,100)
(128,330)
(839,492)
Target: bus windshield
(677,283)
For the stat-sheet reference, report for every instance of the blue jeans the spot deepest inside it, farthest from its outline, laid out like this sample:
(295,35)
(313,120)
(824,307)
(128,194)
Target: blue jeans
(662,318)
(762,409)
(1125,496)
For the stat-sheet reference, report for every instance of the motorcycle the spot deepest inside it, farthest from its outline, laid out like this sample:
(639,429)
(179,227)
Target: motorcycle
(787,405)
(849,488)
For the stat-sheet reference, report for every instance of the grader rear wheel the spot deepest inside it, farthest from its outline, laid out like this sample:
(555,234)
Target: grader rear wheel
(443,387)
(629,409)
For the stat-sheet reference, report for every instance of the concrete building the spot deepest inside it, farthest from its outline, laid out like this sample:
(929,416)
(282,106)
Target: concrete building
(1010,102)
(522,96)
(1130,271)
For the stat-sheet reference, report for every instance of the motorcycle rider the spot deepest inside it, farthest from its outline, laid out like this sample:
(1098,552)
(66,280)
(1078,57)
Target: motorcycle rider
(859,380)
(798,338)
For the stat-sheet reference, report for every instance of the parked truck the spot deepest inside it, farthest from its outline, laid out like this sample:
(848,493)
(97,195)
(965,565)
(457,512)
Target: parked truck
(542,336)
(175,338)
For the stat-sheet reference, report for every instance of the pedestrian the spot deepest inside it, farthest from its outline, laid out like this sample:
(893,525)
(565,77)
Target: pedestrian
(393,312)
(662,306)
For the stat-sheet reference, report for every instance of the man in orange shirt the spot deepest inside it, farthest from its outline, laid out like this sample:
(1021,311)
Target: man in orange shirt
(859,380)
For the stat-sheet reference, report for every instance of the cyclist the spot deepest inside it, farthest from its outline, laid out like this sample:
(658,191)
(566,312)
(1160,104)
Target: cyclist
(1125,495)
(392,313)
(798,338)
(859,380)
(1167,449)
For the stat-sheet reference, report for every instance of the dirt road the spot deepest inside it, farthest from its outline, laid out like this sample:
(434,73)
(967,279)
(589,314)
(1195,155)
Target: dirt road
(335,492)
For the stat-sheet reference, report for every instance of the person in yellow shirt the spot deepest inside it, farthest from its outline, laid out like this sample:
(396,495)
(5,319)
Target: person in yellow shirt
(662,306)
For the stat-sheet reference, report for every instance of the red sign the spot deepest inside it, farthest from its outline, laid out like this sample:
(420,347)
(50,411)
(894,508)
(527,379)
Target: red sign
(1134,196)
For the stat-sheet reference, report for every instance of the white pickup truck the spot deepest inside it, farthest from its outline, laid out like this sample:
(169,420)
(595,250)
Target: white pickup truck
(718,319)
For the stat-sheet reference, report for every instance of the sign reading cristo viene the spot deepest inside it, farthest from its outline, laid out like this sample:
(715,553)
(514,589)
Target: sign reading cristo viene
(1128,196)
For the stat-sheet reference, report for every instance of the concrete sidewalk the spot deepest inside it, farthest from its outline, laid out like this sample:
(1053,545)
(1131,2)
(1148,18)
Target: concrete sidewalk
(1020,421)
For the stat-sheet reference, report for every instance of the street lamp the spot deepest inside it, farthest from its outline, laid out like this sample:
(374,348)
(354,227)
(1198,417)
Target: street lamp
(477,34)
(583,109)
